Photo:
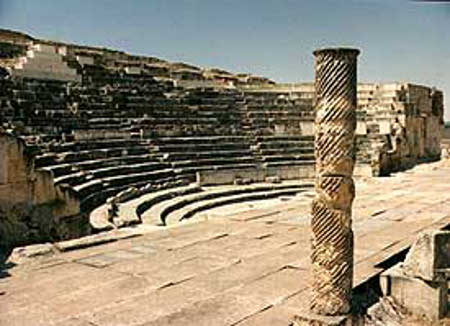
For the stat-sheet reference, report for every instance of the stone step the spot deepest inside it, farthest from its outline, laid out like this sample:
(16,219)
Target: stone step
(213,162)
(290,163)
(67,168)
(188,211)
(235,166)
(98,197)
(78,177)
(94,185)
(159,212)
(49,159)
(286,150)
(195,140)
(77,146)
(199,147)
(288,158)
(284,144)
(133,209)
(182,156)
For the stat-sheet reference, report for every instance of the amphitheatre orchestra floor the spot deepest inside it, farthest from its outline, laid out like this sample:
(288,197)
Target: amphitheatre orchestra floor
(244,265)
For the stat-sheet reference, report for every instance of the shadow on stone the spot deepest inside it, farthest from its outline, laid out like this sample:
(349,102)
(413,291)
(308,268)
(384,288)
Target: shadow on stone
(4,270)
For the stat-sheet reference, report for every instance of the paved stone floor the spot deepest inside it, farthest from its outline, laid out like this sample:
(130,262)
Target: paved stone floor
(242,266)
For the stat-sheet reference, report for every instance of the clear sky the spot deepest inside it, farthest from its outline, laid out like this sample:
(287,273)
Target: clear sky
(401,40)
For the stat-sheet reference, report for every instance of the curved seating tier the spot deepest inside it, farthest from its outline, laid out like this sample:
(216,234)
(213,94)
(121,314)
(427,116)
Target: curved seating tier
(160,115)
(98,169)
(187,206)
(171,206)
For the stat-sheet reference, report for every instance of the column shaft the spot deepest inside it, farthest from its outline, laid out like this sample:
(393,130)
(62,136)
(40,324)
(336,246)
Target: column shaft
(332,236)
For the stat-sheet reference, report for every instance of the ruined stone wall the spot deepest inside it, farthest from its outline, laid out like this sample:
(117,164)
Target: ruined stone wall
(15,172)
(403,122)
(30,206)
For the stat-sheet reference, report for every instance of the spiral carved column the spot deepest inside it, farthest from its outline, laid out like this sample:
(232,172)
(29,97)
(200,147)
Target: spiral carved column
(332,236)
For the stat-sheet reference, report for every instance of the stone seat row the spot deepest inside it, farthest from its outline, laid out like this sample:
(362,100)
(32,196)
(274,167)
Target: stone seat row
(297,105)
(285,143)
(95,144)
(286,150)
(94,192)
(267,111)
(199,140)
(189,212)
(78,164)
(183,207)
(275,119)
(75,178)
(97,169)
(187,120)
(177,204)
(74,152)
(200,147)
(49,159)
(63,169)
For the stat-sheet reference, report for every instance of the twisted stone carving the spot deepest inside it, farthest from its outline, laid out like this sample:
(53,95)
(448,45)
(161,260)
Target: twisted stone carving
(332,236)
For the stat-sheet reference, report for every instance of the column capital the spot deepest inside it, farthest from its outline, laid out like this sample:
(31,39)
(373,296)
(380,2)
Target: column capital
(337,51)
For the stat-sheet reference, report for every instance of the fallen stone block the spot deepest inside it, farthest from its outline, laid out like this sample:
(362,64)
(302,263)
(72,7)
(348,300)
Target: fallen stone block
(423,298)
(386,312)
(429,256)
(21,254)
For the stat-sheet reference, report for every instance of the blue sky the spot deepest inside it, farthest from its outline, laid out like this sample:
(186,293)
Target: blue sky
(400,40)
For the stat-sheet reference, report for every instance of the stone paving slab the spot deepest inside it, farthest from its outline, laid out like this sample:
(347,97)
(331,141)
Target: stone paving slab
(245,268)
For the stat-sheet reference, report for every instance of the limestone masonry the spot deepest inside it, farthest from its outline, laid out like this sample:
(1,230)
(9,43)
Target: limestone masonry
(83,124)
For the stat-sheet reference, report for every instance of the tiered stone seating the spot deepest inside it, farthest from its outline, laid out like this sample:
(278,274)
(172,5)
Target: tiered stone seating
(277,111)
(114,99)
(109,125)
(284,149)
(191,154)
(188,207)
(40,106)
(109,99)
(201,111)
(97,169)
(165,208)
(100,168)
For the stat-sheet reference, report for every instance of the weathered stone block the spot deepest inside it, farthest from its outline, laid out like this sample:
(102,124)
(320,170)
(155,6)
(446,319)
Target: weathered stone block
(428,256)
(423,298)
